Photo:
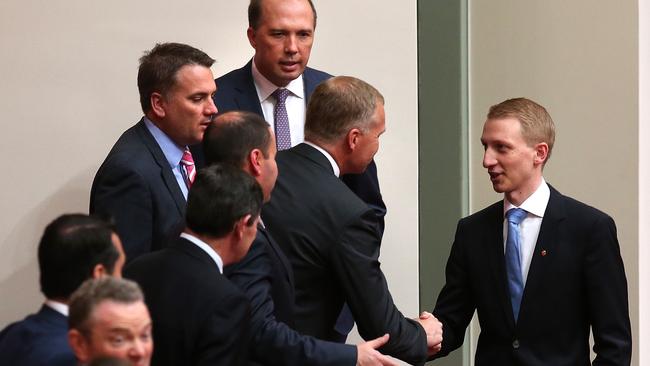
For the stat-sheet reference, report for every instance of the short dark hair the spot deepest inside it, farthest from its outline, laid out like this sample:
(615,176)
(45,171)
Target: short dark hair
(339,104)
(71,246)
(233,135)
(158,68)
(221,195)
(255,13)
(93,292)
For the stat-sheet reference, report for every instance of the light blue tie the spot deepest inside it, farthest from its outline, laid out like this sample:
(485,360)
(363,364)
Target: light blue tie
(513,259)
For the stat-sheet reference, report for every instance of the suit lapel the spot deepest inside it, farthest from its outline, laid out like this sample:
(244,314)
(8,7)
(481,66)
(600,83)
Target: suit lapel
(494,241)
(310,83)
(167,175)
(278,253)
(246,98)
(547,241)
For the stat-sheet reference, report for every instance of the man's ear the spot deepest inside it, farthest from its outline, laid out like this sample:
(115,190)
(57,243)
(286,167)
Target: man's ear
(254,162)
(352,138)
(79,346)
(240,226)
(541,153)
(157,104)
(99,271)
(250,33)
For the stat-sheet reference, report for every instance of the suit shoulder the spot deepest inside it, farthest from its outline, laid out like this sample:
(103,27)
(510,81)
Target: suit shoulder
(316,74)
(483,214)
(231,78)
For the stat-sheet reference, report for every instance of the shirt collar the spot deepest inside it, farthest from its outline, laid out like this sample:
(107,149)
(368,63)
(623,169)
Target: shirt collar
(265,88)
(335,167)
(59,307)
(206,248)
(173,153)
(536,203)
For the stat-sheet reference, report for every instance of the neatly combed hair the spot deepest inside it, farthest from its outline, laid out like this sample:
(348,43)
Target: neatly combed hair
(233,135)
(95,291)
(338,105)
(70,248)
(255,13)
(159,67)
(220,196)
(536,123)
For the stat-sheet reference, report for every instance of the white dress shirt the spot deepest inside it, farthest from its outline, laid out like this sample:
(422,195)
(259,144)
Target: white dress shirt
(206,248)
(535,206)
(335,166)
(59,307)
(295,104)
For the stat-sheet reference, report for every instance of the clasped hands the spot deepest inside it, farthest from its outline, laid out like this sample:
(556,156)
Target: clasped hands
(433,329)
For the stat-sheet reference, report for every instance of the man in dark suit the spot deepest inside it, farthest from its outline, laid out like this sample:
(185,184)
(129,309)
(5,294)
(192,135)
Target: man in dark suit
(144,180)
(73,248)
(282,34)
(330,236)
(561,273)
(108,318)
(244,140)
(199,317)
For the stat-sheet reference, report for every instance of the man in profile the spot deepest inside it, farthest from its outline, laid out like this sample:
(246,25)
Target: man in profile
(200,317)
(540,268)
(144,180)
(73,248)
(108,318)
(331,237)
(277,84)
(245,141)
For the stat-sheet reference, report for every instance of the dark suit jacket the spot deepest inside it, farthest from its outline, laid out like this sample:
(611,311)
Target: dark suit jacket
(199,317)
(332,240)
(265,275)
(39,339)
(136,186)
(576,281)
(236,91)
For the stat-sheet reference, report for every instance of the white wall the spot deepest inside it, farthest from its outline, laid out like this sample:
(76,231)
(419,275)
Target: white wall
(580,60)
(643,342)
(69,90)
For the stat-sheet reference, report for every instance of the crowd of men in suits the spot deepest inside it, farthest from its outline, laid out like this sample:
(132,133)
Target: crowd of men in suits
(249,215)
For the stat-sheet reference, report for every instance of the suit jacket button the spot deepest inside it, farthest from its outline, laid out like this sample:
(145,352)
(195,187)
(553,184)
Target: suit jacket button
(515,344)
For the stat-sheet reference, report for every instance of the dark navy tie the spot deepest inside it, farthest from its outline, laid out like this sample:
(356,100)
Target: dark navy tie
(513,258)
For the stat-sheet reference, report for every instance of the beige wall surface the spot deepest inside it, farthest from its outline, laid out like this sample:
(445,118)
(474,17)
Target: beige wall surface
(69,90)
(579,59)
(644,182)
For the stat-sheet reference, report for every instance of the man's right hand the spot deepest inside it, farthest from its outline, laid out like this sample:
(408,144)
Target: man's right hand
(433,329)
(367,354)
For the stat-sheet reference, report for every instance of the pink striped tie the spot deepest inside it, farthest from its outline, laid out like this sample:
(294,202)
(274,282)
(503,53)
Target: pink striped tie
(188,164)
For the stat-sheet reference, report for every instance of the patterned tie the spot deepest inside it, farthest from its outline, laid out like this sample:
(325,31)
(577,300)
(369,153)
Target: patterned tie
(513,259)
(188,165)
(282,132)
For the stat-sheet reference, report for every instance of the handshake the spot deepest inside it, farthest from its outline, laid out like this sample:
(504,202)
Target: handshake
(368,355)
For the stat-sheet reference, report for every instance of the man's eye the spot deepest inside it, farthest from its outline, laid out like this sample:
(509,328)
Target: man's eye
(117,341)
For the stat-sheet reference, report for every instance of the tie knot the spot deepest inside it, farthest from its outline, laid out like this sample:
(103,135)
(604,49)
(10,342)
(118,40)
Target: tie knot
(187,159)
(516,215)
(281,94)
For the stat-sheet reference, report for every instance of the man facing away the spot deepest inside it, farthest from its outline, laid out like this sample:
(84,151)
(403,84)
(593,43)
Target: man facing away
(245,141)
(541,269)
(144,180)
(330,236)
(108,318)
(199,316)
(277,85)
(73,248)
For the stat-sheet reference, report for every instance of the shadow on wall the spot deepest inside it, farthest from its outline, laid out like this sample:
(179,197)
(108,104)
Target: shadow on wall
(20,290)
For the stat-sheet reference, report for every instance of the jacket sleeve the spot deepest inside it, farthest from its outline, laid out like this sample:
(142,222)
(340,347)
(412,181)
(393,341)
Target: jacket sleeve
(355,259)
